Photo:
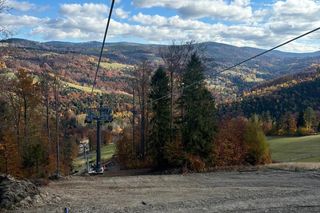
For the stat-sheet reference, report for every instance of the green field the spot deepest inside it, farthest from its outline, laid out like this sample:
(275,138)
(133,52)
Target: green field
(106,153)
(295,149)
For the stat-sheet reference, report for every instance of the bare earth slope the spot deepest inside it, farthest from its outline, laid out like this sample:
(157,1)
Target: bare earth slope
(259,191)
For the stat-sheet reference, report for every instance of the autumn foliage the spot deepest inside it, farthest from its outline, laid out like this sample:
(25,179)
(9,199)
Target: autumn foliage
(240,142)
(28,135)
(127,152)
(229,146)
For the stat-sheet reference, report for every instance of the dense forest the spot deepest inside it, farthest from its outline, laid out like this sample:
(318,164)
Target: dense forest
(286,103)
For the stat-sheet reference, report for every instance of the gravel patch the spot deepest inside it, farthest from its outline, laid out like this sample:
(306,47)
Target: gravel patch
(267,190)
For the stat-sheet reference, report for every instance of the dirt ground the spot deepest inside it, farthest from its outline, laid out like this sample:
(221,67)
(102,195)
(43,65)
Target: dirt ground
(267,190)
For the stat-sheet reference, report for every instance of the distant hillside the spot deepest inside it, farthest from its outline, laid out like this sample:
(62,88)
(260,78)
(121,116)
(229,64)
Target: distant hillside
(287,94)
(76,63)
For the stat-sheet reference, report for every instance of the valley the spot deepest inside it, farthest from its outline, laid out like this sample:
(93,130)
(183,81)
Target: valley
(75,64)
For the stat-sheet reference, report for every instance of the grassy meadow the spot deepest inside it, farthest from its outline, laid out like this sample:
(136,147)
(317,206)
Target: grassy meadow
(106,153)
(295,149)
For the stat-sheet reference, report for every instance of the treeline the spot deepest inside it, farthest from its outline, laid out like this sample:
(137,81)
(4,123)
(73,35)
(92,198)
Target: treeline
(174,120)
(37,137)
(303,123)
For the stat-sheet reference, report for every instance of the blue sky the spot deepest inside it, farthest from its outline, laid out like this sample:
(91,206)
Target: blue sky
(255,23)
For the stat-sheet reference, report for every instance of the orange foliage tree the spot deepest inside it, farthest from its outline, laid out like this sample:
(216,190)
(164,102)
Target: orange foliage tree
(229,146)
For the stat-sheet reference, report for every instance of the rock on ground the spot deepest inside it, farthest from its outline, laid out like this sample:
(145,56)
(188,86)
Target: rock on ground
(18,193)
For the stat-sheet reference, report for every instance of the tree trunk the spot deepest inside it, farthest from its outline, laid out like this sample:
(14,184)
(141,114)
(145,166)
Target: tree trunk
(133,119)
(47,117)
(57,130)
(25,119)
(171,104)
(143,113)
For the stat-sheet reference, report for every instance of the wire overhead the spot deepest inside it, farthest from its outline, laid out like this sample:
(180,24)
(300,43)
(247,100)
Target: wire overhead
(103,44)
(246,60)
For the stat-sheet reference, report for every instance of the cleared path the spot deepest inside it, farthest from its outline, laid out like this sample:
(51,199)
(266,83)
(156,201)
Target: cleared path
(259,191)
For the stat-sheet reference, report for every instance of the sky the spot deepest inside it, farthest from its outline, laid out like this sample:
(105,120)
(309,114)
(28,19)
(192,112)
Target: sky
(253,23)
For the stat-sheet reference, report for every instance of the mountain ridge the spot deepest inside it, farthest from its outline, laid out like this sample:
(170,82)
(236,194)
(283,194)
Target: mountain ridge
(98,43)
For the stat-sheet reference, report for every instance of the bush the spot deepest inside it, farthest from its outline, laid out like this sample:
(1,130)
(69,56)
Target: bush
(195,163)
(256,144)
(302,131)
(240,142)
(229,147)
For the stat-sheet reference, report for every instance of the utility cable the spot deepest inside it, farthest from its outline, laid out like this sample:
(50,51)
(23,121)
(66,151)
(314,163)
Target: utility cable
(103,44)
(246,60)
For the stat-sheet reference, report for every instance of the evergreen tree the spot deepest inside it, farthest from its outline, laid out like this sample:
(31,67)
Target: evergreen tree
(300,121)
(198,119)
(160,121)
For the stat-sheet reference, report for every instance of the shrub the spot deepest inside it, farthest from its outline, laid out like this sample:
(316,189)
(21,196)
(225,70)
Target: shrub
(229,147)
(302,131)
(195,163)
(256,144)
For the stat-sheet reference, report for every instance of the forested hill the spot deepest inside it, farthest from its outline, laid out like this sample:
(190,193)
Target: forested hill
(290,94)
(76,63)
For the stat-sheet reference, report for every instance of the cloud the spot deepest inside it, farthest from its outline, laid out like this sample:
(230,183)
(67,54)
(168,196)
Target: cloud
(235,10)
(20,5)
(306,9)
(295,16)
(150,20)
(13,21)
(120,13)
(84,10)
(264,28)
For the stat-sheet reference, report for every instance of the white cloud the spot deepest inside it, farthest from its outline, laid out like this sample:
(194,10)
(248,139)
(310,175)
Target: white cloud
(303,8)
(84,10)
(20,5)
(150,20)
(12,21)
(120,13)
(236,10)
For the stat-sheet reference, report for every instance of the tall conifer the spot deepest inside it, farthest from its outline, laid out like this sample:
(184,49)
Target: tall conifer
(198,119)
(160,121)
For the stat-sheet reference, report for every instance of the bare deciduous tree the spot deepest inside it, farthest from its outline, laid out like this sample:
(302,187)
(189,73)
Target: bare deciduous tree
(142,84)
(46,85)
(175,58)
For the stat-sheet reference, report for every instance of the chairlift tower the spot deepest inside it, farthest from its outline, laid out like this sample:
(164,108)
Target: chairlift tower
(102,115)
